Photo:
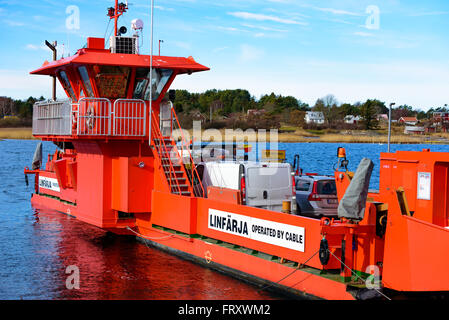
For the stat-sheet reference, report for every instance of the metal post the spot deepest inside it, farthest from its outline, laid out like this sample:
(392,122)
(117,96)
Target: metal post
(160,41)
(151,73)
(53,48)
(389,125)
(116,19)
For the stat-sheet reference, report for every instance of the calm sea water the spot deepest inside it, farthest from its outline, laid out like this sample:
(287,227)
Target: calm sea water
(36,247)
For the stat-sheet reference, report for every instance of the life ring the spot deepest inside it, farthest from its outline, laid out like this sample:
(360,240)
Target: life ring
(90,117)
(74,122)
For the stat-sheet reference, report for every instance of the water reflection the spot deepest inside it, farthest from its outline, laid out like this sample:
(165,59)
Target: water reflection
(119,267)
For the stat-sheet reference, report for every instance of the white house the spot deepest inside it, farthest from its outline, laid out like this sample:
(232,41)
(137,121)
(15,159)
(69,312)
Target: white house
(352,119)
(314,117)
(414,130)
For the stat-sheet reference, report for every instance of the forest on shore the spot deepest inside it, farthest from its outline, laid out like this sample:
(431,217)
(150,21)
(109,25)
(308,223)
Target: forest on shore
(239,109)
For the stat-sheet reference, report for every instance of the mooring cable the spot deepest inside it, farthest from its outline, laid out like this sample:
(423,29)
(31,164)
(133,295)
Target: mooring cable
(357,276)
(149,238)
(290,274)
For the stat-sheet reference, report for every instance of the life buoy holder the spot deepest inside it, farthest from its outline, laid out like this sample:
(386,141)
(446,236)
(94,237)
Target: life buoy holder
(74,122)
(90,117)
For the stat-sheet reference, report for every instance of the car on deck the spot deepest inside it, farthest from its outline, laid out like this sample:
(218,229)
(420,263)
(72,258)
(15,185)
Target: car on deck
(316,196)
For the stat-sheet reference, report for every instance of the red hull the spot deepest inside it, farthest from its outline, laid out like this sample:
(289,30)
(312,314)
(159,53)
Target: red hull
(237,264)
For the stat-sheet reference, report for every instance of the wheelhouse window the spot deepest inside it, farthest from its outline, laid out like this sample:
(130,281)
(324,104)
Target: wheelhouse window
(142,88)
(111,81)
(85,77)
(66,85)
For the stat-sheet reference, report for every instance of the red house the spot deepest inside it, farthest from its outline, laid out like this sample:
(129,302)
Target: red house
(413,121)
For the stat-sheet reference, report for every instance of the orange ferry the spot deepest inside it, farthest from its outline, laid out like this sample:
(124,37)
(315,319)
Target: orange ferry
(117,167)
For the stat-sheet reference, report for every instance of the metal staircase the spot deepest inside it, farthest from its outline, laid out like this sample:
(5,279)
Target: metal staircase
(172,166)
(179,176)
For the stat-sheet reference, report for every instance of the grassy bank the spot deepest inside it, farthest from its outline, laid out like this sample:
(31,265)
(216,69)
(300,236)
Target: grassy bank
(16,133)
(304,136)
(298,135)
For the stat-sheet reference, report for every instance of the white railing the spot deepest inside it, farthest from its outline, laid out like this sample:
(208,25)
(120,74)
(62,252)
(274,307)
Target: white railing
(94,117)
(91,117)
(52,118)
(166,118)
(129,118)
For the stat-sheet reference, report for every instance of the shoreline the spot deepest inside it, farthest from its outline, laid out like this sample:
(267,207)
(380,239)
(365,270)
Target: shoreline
(291,137)
(16,134)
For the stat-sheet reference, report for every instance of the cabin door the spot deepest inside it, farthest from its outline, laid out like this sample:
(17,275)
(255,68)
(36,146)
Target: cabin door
(166,118)
(441,195)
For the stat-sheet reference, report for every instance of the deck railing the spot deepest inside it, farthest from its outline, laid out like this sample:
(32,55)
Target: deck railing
(91,117)
(52,118)
(129,118)
(94,117)
(185,152)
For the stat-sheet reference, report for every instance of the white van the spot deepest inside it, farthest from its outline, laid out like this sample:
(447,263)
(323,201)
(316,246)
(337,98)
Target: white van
(261,184)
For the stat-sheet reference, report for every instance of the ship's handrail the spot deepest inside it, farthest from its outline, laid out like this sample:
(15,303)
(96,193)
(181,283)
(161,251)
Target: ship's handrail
(94,117)
(186,146)
(129,118)
(91,117)
(52,118)
(163,147)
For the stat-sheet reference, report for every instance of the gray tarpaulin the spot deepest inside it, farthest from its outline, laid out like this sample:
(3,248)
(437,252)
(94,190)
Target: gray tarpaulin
(37,159)
(352,205)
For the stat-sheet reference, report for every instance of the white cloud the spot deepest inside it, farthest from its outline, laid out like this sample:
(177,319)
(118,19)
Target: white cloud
(148,6)
(228,28)
(263,17)
(31,47)
(164,8)
(338,11)
(263,28)
(13,23)
(20,85)
(249,53)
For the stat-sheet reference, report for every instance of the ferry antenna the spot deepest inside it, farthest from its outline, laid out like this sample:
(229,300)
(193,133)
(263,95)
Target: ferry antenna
(115,13)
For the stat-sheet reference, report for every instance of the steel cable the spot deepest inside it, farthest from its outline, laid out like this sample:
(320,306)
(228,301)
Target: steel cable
(357,276)
(290,274)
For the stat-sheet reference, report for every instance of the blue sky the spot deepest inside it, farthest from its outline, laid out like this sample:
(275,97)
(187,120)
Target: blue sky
(393,50)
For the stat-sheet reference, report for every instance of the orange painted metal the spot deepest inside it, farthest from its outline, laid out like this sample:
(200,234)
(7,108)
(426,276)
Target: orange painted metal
(60,167)
(104,57)
(224,195)
(95,43)
(131,184)
(416,255)
(174,212)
